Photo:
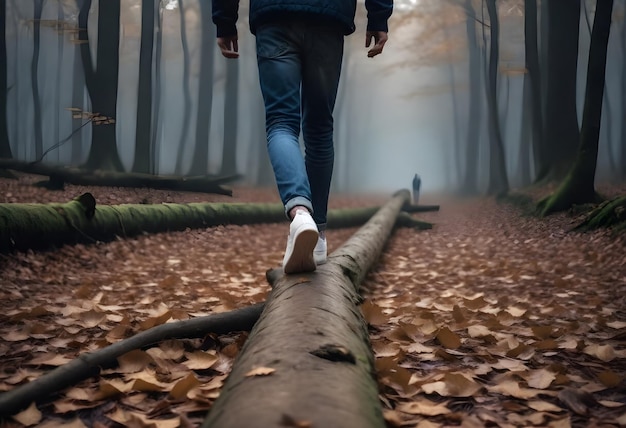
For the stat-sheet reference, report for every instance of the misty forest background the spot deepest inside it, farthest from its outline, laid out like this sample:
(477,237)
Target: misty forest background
(472,95)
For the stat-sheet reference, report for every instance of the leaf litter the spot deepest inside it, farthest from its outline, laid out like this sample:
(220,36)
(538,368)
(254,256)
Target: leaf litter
(491,318)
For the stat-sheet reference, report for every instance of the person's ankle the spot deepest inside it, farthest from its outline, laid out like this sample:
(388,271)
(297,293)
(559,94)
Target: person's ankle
(294,210)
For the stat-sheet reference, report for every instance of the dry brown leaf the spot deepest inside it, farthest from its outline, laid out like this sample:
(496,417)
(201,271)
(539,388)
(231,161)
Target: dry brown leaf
(183,386)
(200,360)
(605,353)
(423,407)
(373,313)
(513,389)
(448,338)
(134,361)
(540,379)
(260,371)
(544,406)
(610,379)
(29,417)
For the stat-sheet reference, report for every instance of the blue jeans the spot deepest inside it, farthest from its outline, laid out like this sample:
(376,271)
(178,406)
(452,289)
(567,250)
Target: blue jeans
(299,67)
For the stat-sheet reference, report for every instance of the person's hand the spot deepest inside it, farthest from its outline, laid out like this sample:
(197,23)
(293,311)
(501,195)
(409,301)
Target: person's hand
(380,38)
(229,46)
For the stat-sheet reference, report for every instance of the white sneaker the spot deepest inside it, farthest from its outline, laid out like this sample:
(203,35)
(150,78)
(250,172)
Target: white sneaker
(320,251)
(301,241)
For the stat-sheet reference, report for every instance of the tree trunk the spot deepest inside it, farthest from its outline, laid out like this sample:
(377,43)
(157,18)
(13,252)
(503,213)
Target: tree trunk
(470,181)
(578,186)
(623,99)
(89,364)
(533,75)
(34,79)
(498,181)
(314,342)
(561,133)
(186,91)
(523,166)
(5,146)
(156,123)
(200,160)
(231,103)
(102,82)
(141,162)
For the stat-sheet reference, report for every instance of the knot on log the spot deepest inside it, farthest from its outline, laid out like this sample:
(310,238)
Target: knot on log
(332,352)
(89,204)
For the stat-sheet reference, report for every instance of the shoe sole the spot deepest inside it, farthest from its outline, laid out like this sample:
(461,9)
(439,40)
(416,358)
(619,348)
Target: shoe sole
(301,259)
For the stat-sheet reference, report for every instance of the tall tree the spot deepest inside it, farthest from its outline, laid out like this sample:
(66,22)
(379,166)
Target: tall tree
(186,90)
(523,161)
(532,78)
(623,130)
(200,160)
(5,146)
(470,181)
(102,82)
(156,122)
(34,78)
(579,184)
(141,162)
(561,122)
(498,181)
(231,103)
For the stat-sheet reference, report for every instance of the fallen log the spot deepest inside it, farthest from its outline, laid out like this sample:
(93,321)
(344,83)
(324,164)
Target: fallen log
(90,364)
(308,360)
(58,176)
(41,226)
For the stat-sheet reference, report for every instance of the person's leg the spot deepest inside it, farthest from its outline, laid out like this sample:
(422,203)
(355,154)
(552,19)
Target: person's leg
(279,63)
(321,69)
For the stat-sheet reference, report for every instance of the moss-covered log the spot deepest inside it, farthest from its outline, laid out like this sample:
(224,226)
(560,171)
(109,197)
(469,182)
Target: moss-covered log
(308,361)
(90,364)
(40,226)
(609,214)
(58,176)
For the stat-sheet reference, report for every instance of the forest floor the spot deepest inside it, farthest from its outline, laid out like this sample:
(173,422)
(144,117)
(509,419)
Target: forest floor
(492,318)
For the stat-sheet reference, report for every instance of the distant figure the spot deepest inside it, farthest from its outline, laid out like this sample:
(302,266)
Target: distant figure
(417,182)
(299,48)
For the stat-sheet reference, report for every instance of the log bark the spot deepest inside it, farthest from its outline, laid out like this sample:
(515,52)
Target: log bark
(90,364)
(58,176)
(41,226)
(312,342)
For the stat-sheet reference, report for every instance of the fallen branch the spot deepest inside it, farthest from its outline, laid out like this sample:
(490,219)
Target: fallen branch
(58,176)
(41,226)
(308,360)
(89,364)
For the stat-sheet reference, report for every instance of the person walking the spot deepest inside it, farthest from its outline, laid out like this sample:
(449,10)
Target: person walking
(299,46)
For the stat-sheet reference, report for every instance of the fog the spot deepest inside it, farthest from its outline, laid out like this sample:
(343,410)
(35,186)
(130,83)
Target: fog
(394,117)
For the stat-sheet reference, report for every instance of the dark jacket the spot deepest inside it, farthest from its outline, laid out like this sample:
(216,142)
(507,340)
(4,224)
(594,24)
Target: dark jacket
(225,13)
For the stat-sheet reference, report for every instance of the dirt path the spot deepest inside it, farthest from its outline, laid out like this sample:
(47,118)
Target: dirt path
(485,319)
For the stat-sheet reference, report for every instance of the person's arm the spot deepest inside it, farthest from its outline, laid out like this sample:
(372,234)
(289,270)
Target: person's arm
(225,14)
(378,13)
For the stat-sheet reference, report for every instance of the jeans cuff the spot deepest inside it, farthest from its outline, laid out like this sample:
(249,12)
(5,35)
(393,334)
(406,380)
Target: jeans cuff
(294,202)
(321,227)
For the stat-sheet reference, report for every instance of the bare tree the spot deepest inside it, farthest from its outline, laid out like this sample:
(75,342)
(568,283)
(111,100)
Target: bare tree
(498,181)
(579,185)
(5,146)
(561,132)
(34,78)
(231,103)
(102,82)
(143,158)
(532,79)
(470,181)
(200,160)
(186,90)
